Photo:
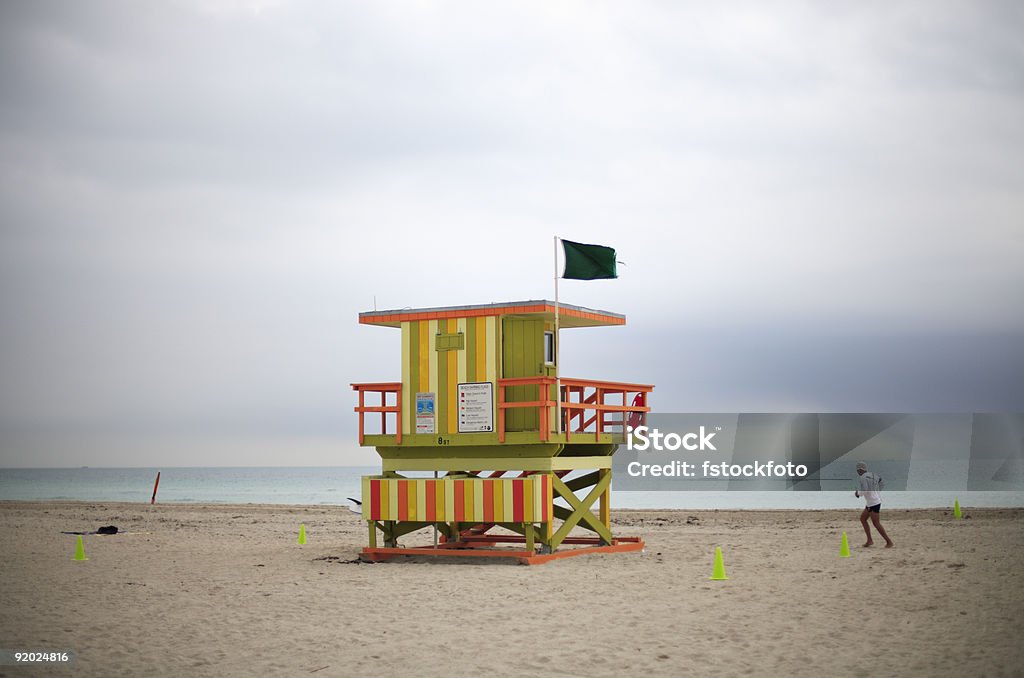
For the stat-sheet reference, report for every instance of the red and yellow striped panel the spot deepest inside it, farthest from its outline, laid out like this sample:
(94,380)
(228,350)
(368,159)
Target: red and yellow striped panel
(490,500)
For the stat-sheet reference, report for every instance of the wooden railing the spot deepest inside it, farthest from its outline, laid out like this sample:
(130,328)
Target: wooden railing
(383,389)
(585,406)
(543,403)
(631,411)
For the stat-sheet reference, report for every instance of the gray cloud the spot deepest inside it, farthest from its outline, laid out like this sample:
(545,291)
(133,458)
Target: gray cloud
(819,207)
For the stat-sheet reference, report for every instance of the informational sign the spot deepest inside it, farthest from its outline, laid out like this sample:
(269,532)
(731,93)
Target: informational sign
(425,412)
(476,407)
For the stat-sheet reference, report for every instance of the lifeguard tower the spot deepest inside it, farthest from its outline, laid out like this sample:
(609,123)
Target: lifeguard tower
(481,406)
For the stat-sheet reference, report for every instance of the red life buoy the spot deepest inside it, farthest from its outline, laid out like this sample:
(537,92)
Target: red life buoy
(637,418)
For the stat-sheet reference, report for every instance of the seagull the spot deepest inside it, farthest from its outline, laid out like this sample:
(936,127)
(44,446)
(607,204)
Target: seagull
(356,506)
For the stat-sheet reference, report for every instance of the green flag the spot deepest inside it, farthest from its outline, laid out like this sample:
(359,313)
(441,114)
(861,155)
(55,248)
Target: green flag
(588,262)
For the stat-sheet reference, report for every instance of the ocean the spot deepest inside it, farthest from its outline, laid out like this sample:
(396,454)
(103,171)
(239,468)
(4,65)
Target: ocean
(331,485)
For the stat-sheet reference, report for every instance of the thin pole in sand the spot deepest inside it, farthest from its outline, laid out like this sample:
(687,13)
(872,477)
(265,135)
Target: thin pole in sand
(155,485)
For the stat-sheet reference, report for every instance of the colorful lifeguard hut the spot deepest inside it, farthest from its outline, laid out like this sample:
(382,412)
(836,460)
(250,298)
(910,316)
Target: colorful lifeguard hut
(510,443)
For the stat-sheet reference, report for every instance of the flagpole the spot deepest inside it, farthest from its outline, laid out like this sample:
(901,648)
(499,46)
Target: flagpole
(558,344)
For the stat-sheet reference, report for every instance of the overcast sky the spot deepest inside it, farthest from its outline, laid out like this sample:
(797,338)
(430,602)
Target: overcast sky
(820,205)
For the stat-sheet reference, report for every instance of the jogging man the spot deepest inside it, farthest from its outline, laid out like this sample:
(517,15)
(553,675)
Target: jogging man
(869,486)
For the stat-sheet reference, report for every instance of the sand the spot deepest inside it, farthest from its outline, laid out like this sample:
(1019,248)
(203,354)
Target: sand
(227,591)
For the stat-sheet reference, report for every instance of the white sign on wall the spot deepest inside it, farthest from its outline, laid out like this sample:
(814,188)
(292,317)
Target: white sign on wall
(476,407)
(424,413)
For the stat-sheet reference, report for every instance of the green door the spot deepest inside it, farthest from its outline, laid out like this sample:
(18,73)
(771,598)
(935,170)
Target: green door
(522,346)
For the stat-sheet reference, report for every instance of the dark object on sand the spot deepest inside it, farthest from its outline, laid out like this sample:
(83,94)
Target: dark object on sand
(107,529)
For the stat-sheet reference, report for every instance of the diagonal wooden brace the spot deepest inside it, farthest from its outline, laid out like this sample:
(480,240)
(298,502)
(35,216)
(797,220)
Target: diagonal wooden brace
(583,481)
(581,510)
(563,513)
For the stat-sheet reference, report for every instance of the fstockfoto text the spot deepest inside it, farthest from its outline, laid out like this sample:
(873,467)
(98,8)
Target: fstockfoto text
(684,469)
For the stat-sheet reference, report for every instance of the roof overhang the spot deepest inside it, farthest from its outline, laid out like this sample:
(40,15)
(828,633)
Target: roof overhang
(568,315)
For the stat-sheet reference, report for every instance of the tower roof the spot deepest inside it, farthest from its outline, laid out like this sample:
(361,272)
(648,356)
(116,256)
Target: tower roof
(569,315)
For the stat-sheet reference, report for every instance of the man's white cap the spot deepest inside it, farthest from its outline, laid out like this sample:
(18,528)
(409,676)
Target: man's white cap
(861,466)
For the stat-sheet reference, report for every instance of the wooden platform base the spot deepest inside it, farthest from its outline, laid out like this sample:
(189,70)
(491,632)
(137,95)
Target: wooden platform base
(481,546)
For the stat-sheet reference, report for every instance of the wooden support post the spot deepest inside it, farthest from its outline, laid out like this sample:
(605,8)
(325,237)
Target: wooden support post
(528,528)
(568,421)
(544,425)
(398,417)
(606,500)
(548,527)
(545,537)
(501,413)
(361,415)
(373,533)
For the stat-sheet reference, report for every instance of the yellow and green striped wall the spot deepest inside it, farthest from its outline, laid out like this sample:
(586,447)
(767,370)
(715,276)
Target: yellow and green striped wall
(427,369)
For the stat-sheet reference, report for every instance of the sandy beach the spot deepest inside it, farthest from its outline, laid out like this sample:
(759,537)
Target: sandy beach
(227,591)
